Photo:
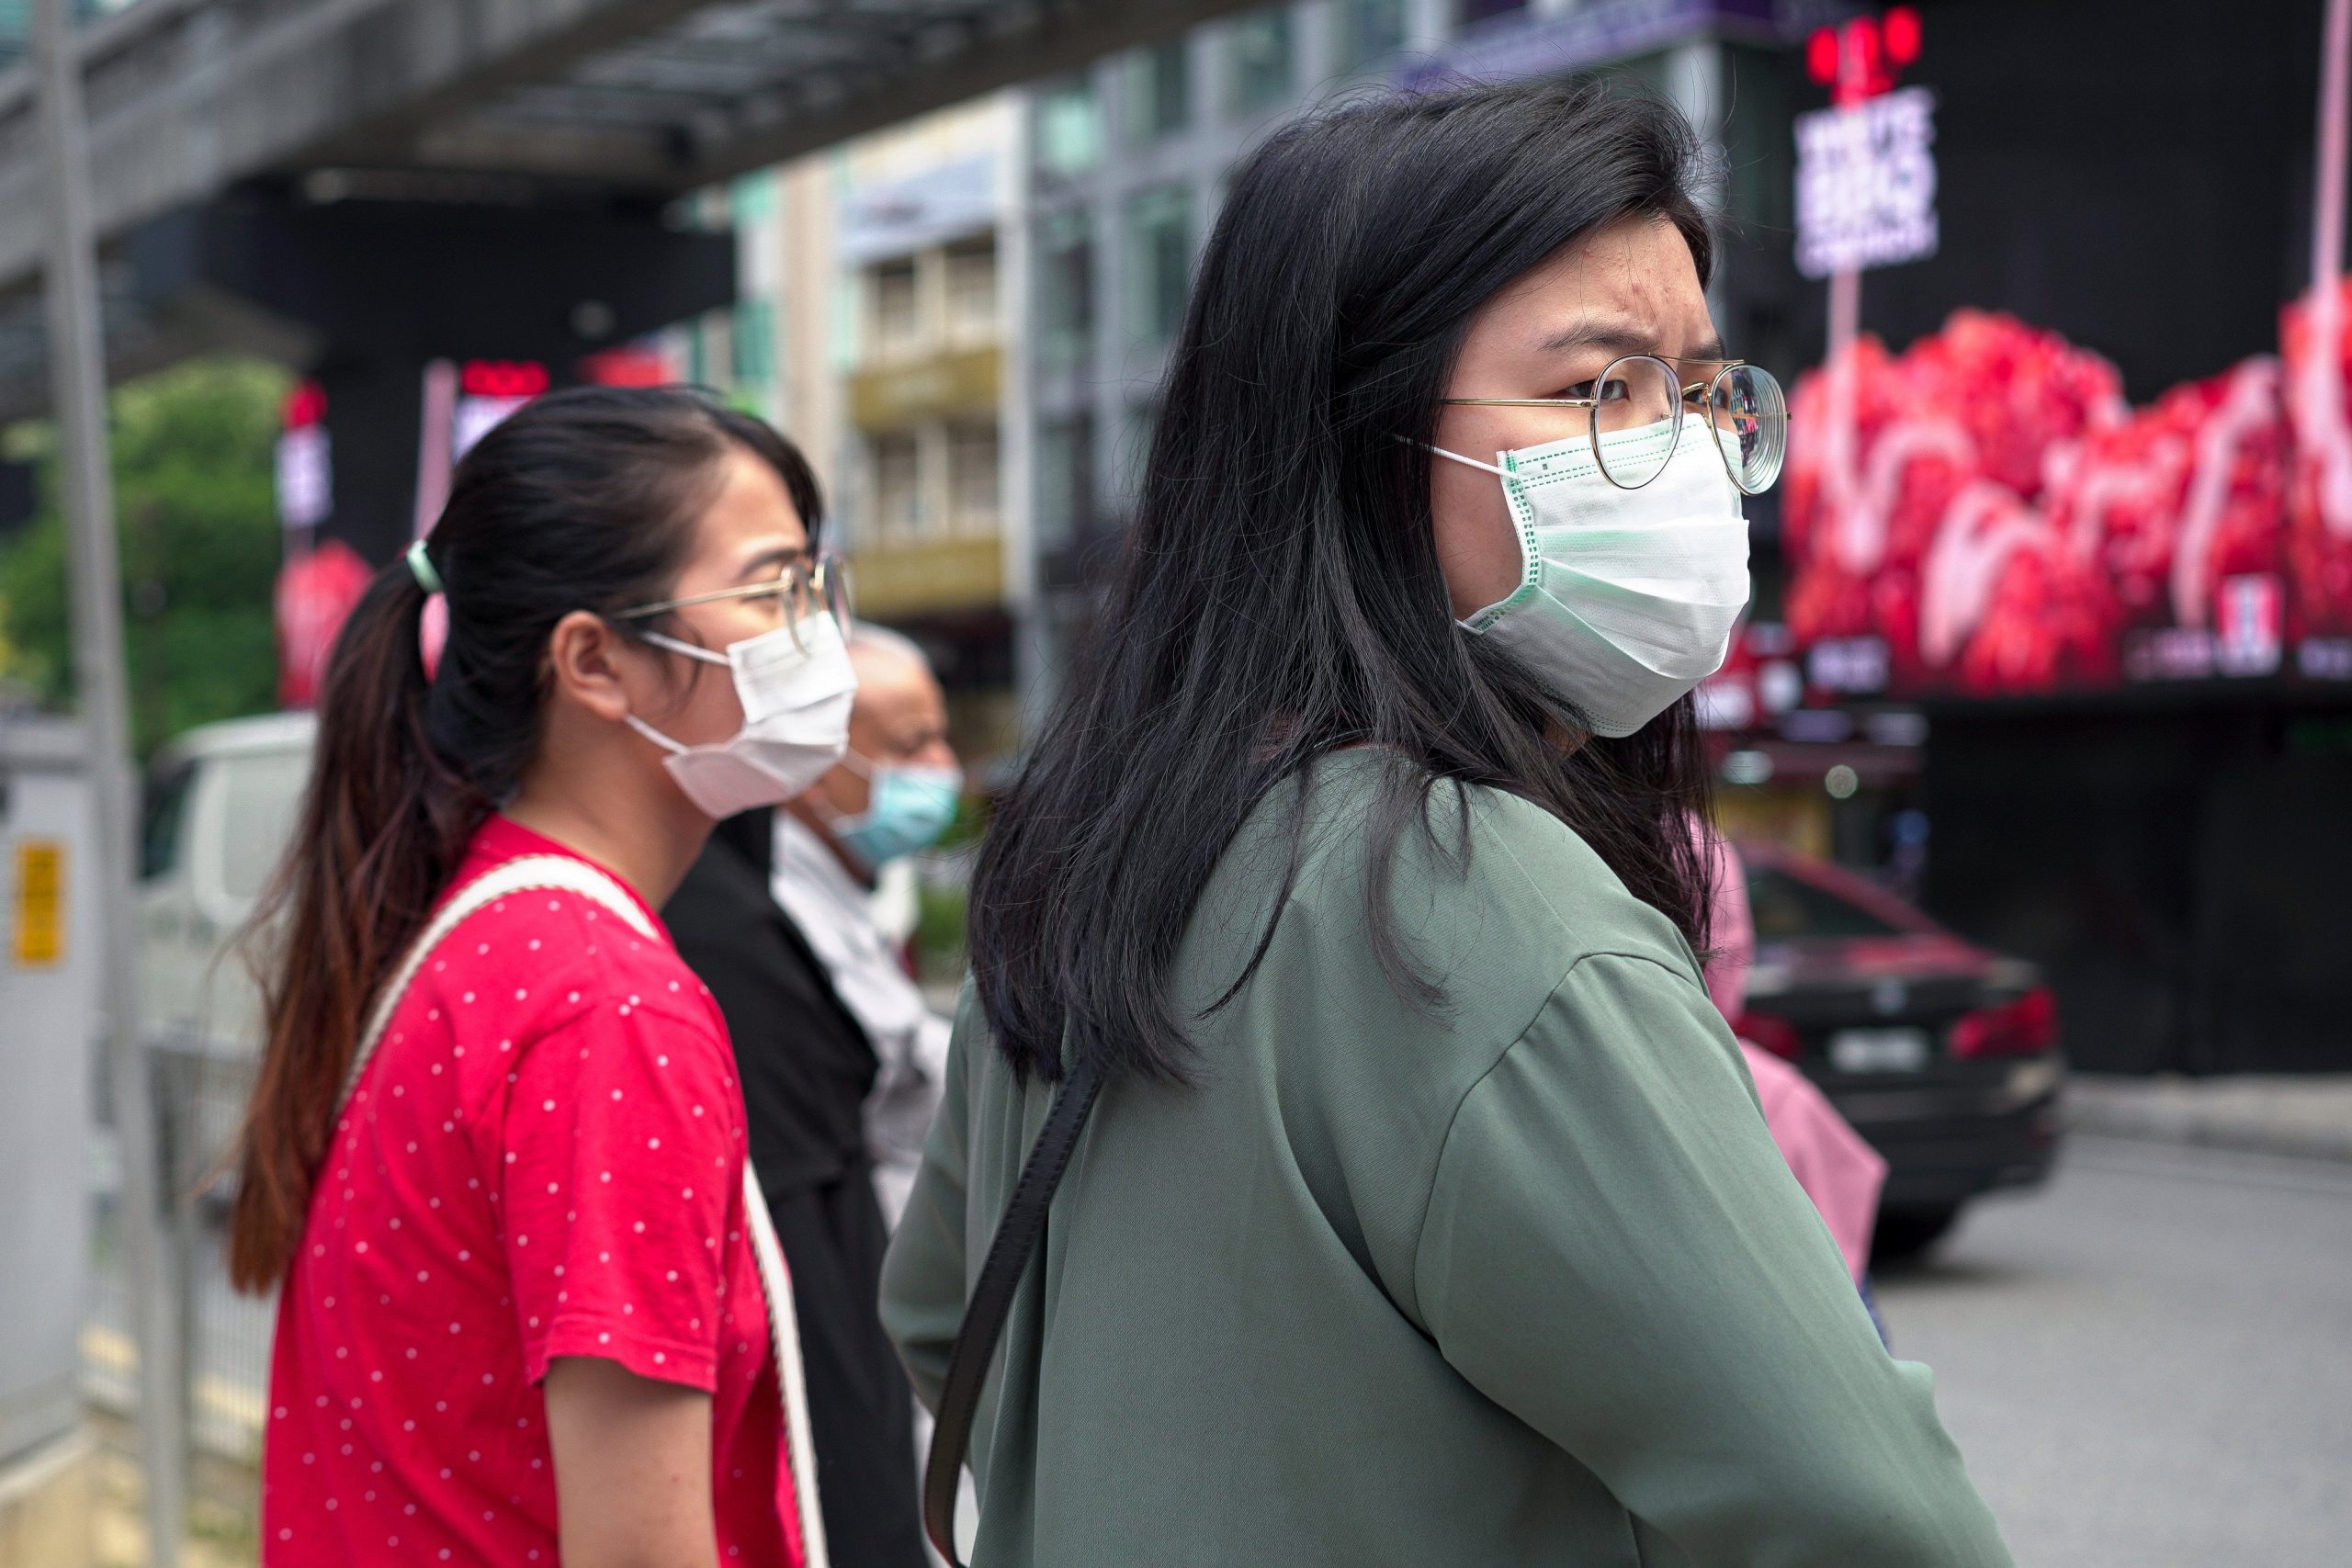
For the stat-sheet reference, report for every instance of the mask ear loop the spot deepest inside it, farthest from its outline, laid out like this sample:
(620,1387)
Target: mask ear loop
(689,649)
(674,747)
(1526,548)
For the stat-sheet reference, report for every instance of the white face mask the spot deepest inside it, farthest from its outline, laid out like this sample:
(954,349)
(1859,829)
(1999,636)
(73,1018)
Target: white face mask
(796,698)
(1627,598)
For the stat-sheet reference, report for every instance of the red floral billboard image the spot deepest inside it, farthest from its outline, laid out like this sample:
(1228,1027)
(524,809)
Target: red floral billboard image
(2003,521)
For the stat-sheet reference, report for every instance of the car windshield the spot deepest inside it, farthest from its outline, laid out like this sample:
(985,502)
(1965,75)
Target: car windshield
(166,804)
(1789,909)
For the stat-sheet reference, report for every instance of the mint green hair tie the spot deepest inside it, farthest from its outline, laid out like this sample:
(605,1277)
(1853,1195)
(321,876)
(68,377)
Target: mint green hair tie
(420,565)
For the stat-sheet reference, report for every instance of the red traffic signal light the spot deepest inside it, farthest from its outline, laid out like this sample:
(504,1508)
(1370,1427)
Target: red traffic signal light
(1859,59)
(305,405)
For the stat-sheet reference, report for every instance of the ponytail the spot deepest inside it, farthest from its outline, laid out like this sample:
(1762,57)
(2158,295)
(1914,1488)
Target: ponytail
(383,825)
(585,500)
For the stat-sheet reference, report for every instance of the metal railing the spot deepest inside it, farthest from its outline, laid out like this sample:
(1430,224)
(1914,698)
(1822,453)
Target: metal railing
(224,1336)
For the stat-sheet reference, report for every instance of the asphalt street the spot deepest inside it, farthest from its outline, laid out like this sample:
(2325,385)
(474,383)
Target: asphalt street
(2148,1363)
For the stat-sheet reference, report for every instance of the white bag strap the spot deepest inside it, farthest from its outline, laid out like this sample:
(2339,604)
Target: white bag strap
(526,873)
(783,1326)
(540,874)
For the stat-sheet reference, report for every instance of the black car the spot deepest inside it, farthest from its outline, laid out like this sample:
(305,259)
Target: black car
(1944,1056)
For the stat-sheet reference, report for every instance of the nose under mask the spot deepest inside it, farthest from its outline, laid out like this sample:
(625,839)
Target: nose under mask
(1627,598)
(796,685)
(911,805)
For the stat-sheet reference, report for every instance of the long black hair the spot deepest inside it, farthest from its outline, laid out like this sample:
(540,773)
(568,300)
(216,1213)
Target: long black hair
(585,500)
(1279,597)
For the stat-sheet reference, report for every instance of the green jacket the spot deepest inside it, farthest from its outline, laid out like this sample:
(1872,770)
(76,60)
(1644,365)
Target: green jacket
(1520,1281)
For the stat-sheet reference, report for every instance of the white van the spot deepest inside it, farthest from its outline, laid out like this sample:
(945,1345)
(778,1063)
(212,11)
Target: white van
(221,806)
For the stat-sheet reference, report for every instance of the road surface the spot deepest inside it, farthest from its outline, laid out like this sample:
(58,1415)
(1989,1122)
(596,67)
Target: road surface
(2148,1364)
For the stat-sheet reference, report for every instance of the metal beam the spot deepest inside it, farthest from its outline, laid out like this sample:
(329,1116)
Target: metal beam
(545,53)
(187,96)
(909,75)
(77,376)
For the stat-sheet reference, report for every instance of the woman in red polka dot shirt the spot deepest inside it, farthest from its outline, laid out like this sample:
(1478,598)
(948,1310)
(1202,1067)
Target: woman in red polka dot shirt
(521,1317)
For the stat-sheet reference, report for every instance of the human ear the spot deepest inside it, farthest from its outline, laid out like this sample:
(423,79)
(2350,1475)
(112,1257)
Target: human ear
(589,665)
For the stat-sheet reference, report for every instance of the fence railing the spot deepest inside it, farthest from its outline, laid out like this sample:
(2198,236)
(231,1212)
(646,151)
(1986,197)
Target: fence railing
(224,1336)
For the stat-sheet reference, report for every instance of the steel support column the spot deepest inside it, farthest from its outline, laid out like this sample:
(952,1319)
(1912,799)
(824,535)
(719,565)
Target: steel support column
(77,379)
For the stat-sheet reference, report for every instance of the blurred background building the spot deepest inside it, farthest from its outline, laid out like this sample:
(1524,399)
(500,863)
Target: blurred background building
(1128,163)
(878,320)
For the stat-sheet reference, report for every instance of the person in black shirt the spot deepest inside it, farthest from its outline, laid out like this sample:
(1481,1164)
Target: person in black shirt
(806,1068)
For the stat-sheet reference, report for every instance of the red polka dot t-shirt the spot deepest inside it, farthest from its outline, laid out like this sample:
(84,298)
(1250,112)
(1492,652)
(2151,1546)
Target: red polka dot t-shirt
(544,1159)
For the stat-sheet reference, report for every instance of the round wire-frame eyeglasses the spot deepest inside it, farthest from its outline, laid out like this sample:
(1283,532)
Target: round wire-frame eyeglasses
(1739,399)
(804,587)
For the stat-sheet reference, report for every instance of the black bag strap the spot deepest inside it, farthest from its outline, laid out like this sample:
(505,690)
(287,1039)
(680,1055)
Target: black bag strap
(984,1315)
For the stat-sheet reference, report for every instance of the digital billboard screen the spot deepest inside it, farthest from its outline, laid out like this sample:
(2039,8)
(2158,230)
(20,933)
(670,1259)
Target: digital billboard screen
(1994,518)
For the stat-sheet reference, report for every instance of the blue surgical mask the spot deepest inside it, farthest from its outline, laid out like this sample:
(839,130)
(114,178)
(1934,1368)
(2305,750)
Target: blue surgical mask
(911,806)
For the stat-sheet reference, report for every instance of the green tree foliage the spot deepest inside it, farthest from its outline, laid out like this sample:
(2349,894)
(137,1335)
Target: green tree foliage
(201,551)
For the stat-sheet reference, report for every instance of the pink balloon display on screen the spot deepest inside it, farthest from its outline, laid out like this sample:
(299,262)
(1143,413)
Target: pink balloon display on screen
(316,591)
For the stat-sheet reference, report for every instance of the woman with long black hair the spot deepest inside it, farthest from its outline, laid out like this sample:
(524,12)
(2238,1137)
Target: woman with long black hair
(1426,1214)
(495,1157)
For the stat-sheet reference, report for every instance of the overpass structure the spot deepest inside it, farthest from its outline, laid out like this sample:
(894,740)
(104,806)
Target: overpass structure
(302,175)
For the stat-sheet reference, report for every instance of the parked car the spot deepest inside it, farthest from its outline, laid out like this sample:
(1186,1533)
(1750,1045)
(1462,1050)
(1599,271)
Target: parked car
(220,802)
(1943,1055)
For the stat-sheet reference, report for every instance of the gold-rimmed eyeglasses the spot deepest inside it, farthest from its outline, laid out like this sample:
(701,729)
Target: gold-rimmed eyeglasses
(803,588)
(1644,393)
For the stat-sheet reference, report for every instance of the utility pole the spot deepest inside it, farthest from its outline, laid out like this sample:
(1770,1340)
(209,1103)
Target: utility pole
(2316,399)
(78,390)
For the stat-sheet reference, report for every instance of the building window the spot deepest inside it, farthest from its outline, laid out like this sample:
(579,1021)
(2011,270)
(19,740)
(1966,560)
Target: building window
(1159,257)
(971,291)
(1261,55)
(1069,127)
(1065,481)
(897,308)
(1370,31)
(1159,86)
(1476,11)
(898,487)
(1065,312)
(972,495)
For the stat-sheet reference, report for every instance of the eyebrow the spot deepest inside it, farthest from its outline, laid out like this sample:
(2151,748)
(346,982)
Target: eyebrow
(1620,336)
(768,563)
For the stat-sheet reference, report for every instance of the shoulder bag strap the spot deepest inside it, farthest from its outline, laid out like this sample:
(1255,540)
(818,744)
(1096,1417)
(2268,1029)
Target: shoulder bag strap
(561,874)
(526,873)
(792,1377)
(991,1303)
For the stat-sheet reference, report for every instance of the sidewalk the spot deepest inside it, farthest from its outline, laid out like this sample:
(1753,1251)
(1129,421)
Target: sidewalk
(2306,1115)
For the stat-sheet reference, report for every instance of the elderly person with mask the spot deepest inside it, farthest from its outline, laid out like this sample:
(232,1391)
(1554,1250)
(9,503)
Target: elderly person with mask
(894,792)
(840,1061)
